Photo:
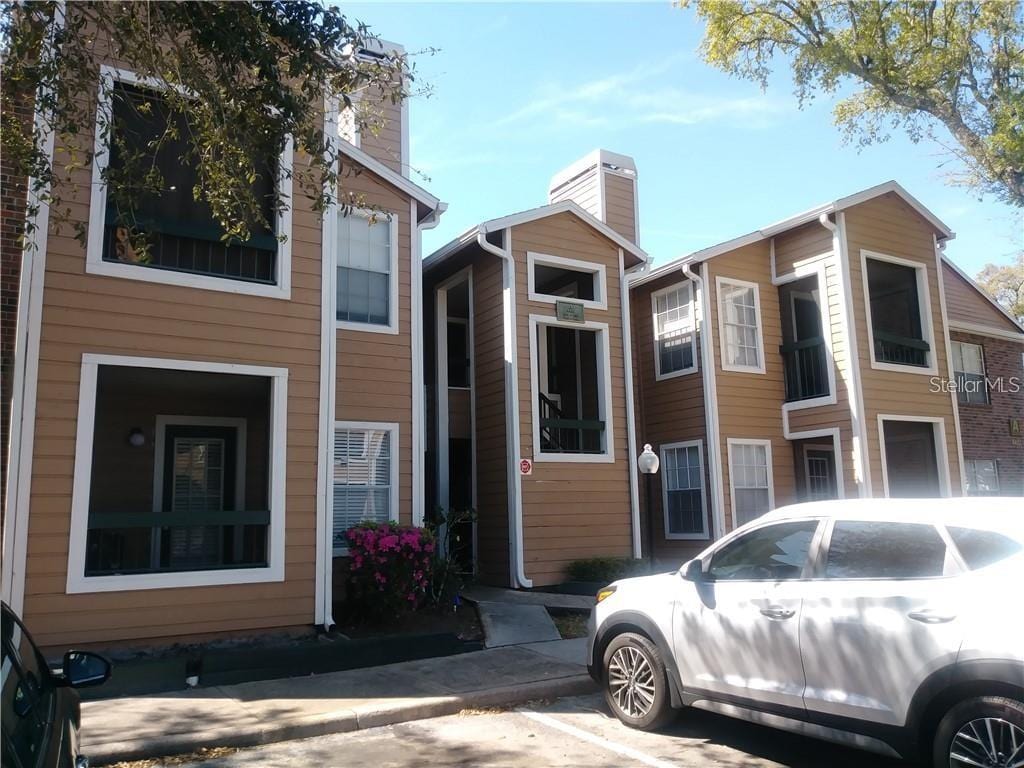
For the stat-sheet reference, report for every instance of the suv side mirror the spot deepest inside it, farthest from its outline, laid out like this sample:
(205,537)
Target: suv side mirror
(693,571)
(83,669)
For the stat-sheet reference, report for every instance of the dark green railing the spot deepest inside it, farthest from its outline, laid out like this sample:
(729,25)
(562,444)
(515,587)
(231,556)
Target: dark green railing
(900,350)
(806,369)
(559,434)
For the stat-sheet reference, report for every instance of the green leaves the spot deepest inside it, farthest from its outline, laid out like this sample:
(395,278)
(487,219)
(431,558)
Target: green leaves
(243,76)
(918,65)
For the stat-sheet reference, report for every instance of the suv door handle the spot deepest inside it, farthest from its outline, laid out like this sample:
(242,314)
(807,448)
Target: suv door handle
(930,616)
(778,612)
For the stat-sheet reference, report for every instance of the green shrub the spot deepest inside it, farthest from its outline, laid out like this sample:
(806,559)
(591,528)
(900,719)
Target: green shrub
(605,569)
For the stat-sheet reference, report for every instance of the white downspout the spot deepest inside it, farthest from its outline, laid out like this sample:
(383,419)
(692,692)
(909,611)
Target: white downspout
(512,445)
(707,360)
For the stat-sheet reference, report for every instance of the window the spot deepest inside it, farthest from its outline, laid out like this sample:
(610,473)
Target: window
(203,502)
(555,278)
(365,476)
(739,320)
(979,548)
(750,479)
(683,491)
(674,331)
(982,477)
(969,367)
(367,287)
(161,232)
(771,553)
(882,550)
(570,380)
(898,319)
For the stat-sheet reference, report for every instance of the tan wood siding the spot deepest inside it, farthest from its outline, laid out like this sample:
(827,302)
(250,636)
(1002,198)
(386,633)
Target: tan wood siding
(668,411)
(802,245)
(491,429)
(620,202)
(888,225)
(382,140)
(571,510)
(374,370)
(750,404)
(964,303)
(584,190)
(84,313)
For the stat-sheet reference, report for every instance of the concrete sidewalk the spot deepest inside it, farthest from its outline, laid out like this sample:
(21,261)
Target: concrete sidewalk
(261,712)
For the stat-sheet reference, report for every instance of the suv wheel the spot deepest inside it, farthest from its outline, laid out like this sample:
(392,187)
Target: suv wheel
(987,731)
(635,683)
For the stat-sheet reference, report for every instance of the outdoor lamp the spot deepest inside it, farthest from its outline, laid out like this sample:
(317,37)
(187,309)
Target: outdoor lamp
(649,462)
(136,438)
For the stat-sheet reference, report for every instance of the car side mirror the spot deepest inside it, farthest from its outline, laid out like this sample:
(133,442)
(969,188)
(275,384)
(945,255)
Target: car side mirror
(83,669)
(693,571)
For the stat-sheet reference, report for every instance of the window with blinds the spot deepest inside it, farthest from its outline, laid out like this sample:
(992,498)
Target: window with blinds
(364,478)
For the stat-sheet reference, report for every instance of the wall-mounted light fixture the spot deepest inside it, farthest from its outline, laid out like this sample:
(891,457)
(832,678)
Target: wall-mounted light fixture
(136,438)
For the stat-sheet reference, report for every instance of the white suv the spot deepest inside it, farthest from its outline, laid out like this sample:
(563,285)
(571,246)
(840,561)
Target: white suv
(895,626)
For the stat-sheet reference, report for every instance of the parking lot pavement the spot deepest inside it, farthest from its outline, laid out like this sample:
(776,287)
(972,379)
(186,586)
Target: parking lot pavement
(575,731)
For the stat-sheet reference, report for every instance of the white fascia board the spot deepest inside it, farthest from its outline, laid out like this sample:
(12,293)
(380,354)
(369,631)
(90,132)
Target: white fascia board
(393,178)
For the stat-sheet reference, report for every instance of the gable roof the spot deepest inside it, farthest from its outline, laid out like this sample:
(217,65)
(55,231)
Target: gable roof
(813,214)
(428,203)
(523,217)
(997,320)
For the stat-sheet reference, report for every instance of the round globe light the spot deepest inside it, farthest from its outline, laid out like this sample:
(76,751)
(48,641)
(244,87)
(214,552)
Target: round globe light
(648,461)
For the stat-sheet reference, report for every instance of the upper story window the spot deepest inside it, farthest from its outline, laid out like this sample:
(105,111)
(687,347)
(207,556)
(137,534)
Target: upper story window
(969,367)
(898,318)
(674,331)
(739,325)
(161,232)
(367,263)
(554,278)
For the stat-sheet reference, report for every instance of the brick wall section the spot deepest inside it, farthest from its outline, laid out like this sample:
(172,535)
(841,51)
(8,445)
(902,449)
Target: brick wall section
(985,429)
(12,224)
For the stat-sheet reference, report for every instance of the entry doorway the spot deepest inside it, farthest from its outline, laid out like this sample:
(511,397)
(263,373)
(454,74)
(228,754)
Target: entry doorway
(911,458)
(819,465)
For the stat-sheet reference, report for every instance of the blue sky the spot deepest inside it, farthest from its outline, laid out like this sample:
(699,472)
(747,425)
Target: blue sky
(519,91)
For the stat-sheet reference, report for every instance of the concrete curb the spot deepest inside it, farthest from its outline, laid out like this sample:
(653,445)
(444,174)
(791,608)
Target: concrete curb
(340,721)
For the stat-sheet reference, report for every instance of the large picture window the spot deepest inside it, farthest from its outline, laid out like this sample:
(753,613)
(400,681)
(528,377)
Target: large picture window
(750,479)
(161,232)
(674,331)
(365,476)
(739,321)
(367,288)
(683,491)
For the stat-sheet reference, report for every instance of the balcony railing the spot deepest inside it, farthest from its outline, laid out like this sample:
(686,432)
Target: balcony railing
(177,247)
(806,369)
(162,542)
(559,434)
(900,350)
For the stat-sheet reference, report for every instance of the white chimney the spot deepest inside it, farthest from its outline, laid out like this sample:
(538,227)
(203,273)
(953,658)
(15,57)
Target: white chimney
(604,184)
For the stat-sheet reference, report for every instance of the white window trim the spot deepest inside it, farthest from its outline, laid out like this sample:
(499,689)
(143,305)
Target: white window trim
(721,280)
(924,309)
(604,383)
(732,441)
(658,375)
(817,268)
(598,270)
(393,429)
(159,438)
(703,535)
(941,450)
(77,581)
(392,324)
(94,263)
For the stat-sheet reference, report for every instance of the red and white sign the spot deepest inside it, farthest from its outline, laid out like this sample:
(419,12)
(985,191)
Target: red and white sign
(525,467)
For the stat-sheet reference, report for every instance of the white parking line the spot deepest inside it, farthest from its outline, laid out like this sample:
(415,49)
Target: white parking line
(611,746)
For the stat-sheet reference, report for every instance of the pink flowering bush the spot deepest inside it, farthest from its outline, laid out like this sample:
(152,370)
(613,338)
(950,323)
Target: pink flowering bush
(390,567)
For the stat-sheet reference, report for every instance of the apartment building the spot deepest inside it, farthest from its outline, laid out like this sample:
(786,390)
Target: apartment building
(194,427)
(816,358)
(528,372)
